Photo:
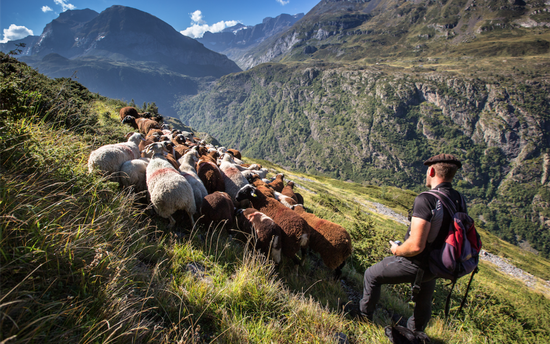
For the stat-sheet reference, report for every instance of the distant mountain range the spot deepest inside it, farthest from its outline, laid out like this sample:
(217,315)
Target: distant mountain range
(124,53)
(237,40)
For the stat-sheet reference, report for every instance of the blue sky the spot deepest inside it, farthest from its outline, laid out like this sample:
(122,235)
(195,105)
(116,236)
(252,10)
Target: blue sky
(19,18)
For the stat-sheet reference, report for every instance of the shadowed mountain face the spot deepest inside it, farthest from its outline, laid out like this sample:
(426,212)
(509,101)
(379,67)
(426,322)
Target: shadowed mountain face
(126,34)
(125,53)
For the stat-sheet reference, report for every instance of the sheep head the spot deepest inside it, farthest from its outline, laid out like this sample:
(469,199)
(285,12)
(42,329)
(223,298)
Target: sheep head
(136,138)
(131,120)
(246,192)
(156,148)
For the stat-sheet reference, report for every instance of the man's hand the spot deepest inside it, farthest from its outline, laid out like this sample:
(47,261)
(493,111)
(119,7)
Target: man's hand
(393,246)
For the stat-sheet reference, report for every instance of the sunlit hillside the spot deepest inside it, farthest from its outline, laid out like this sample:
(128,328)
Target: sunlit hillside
(82,261)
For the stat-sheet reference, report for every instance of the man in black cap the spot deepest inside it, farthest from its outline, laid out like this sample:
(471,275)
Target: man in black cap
(409,263)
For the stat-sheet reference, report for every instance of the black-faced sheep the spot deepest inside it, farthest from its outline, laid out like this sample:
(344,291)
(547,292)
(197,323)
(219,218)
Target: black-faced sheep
(217,207)
(168,189)
(109,158)
(266,233)
(295,230)
(329,239)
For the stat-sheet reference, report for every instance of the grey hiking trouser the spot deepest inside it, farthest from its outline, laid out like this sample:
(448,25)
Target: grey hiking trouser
(394,270)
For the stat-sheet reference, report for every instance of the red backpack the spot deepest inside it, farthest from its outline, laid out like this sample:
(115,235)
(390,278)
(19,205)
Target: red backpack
(459,254)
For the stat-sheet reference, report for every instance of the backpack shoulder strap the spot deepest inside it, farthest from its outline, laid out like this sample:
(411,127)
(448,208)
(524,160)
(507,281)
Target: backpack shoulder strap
(445,200)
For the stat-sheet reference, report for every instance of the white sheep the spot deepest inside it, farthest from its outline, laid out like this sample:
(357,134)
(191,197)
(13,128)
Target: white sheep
(187,169)
(168,189)
(133,174)
(109,158)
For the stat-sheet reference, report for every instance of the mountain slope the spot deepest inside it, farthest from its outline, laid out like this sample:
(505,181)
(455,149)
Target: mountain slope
(367,90)
(377,124)
(339,30)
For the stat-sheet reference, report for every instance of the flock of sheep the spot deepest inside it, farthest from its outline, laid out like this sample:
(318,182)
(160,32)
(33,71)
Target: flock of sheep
(180,172)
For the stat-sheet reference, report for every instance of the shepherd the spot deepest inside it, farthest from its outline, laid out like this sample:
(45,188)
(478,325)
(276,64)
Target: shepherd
(410,260)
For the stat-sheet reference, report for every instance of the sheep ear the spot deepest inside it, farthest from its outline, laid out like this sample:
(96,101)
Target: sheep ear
(147,149)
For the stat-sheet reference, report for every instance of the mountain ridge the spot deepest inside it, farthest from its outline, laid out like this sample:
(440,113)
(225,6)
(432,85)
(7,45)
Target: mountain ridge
(394,29)
(120,50)
(235,41)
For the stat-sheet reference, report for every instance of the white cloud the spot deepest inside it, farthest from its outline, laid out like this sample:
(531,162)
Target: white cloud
(15,32)
(199,27)
(283,2)
(46,9)
(196,17)
(64,5)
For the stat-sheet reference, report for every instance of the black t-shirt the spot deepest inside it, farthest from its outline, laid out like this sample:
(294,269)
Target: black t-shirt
(429,208)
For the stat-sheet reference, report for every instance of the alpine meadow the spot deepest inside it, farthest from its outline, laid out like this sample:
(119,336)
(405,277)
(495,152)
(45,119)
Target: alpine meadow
(346,101)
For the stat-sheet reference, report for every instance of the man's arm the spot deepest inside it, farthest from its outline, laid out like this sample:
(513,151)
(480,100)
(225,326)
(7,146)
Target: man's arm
(416,242)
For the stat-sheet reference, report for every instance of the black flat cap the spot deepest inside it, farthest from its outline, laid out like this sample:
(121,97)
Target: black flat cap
(448,158)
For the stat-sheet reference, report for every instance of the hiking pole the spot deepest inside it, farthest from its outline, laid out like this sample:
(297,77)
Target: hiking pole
(467,289)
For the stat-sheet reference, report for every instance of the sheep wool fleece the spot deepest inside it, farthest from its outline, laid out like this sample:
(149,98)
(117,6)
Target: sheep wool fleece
(169,190)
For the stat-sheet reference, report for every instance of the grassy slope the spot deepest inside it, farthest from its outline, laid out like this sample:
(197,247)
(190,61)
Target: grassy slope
(82,261)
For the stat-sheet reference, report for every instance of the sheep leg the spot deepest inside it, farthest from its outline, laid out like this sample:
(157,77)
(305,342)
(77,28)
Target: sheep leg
(305,253)
(172,222)
(192,219)
(297,263)
(338,271)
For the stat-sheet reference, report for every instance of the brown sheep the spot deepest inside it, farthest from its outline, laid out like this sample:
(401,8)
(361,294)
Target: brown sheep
(278,183)
(288,190)
(267,234)
(154,132)
(146,143)
(329,239)
(128,111)
(144,125)
(170,155)
(203,151)
(285,200)
(235,153)
(178,139)
(295,230)
(210,175)
(217,207)
(180,150)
